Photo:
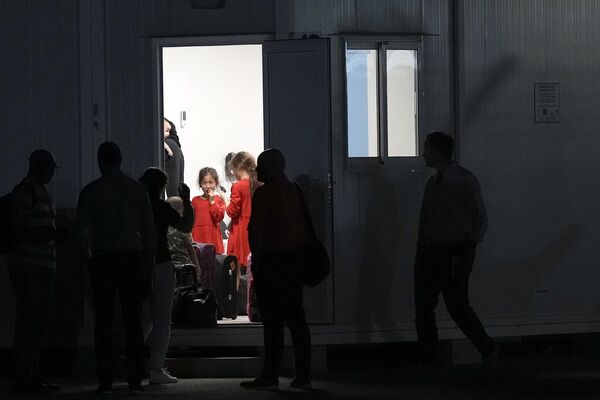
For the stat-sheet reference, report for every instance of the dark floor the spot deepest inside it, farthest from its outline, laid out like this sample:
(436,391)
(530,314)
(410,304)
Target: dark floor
(549,372)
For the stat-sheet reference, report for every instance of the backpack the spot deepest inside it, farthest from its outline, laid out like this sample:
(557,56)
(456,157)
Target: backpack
(5,233)
(194,307)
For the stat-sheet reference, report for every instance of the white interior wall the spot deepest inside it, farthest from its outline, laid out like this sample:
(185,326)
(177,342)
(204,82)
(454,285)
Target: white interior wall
(221,90)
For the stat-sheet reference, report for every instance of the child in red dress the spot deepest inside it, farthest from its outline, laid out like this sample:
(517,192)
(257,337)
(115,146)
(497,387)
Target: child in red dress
(243,166)
(209,210)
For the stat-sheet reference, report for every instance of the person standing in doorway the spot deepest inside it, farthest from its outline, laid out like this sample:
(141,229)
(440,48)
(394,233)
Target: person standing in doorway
(174,160)
(452,222)
(117,240)
(278,237)
(32,265)
(163,280)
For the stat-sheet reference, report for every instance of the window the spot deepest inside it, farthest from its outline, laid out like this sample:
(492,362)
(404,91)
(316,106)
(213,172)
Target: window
(381,87)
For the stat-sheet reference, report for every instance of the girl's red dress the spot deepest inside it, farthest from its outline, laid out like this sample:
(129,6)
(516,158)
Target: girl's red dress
(239,209)
(207,219)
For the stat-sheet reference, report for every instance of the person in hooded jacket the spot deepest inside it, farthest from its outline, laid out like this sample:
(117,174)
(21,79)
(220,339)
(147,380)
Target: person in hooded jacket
(174,160)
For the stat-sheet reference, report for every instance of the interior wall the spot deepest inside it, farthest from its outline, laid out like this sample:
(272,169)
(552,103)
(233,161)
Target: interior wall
(220,88)
(539,179)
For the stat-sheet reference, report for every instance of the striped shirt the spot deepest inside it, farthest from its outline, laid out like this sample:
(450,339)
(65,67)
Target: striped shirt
(33,228)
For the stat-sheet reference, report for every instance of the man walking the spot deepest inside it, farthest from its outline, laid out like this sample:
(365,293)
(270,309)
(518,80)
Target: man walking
(117,239)
(451,224)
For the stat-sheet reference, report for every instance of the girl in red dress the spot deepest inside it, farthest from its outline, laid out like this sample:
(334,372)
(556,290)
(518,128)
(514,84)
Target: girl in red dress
(209,210)
(240,205)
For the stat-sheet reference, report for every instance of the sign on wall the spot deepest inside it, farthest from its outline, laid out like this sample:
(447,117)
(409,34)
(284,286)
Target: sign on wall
(547,102)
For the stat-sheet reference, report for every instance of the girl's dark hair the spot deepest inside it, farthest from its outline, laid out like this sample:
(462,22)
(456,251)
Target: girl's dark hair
(155,181)
(228,171)
(246,162)
(208,171)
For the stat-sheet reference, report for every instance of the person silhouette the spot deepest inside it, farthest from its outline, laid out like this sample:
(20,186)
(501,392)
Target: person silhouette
(163,277)
(452,222)
(174,159)
(117,239)
(278,236)
(32,265)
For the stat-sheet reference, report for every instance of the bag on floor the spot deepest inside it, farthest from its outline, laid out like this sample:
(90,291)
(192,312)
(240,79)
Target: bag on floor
(226,285)
(205,252)
(194,307)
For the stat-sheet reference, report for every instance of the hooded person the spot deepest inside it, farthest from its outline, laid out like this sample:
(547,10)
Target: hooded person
(174,160)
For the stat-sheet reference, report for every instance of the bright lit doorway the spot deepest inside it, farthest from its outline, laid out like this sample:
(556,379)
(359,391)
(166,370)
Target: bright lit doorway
(214,95)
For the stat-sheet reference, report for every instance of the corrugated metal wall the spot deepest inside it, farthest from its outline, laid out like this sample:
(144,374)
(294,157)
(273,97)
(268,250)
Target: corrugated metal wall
(335,16)
(539,180)
(39,100)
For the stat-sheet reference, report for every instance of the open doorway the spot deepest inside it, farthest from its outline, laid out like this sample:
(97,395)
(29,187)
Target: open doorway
(213,94)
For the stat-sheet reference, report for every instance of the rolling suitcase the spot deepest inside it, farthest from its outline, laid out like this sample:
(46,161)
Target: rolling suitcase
(205,252)
(226,285)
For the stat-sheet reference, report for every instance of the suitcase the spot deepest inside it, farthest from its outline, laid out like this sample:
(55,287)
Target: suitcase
(226,285)
(185,275)
(194,307)
(252,300)
(205,252)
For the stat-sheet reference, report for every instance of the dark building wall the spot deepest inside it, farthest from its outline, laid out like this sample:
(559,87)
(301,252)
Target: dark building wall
(39,99)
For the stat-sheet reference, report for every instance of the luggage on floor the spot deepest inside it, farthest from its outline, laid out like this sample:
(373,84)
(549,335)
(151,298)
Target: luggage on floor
(252,303)
(194,307)
(185,275)
(205,252)
(226,285)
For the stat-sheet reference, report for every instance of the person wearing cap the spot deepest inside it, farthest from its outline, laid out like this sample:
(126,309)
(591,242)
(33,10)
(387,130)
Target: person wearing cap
(32,265)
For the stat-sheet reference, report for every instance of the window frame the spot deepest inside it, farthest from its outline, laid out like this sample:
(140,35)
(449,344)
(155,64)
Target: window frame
(382,45)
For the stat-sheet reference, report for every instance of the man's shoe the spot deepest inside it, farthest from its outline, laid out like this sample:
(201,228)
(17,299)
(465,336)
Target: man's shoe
(301,383)
(161,376)
(39,387)
(136,390)
(491,356)
(104,390)
(261,383)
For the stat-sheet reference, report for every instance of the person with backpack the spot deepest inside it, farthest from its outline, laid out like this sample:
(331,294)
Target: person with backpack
(32,265)
(278,236)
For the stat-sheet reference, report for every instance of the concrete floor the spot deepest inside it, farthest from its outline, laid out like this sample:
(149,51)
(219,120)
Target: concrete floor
(547,377)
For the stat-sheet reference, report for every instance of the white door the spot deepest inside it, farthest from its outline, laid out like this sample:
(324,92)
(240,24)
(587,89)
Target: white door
(298,122)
